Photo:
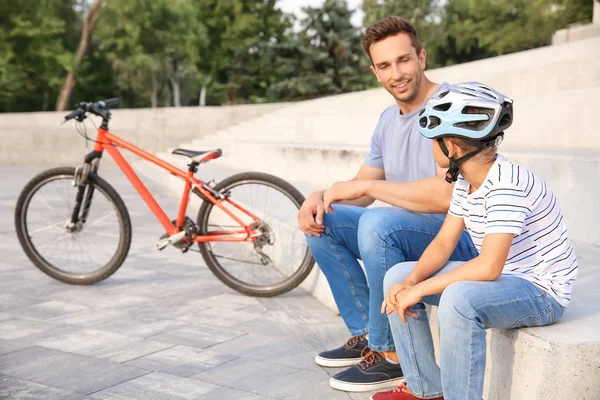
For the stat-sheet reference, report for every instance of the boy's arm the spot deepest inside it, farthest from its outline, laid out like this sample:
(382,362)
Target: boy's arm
(434,257)
(487,266)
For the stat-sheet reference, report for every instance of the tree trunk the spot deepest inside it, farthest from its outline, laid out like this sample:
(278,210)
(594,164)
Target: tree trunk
(86,32)
(176,91)
(205,83)
(202,101)
(154,98)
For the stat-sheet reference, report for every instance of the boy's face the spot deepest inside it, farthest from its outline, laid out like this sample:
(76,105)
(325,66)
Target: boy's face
(438,155)
(398,67)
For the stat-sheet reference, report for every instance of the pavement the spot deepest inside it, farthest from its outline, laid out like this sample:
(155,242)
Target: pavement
(162,327)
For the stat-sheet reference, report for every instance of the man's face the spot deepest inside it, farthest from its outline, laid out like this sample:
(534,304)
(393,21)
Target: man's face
(398,67)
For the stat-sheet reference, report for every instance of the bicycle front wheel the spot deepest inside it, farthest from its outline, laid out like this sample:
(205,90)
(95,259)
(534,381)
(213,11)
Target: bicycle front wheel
(279,259)
(82,253)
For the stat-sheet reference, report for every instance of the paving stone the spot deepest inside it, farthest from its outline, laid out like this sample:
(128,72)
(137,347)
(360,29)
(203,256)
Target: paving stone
(276,351)
(5,316)
(9,301)
(122,322)
(67,371)
(47,310)
(220,317)
(228,393)
(196,337)
(31,332)
(271,380)
(156,386)
(8,346)
(92,297)
(182,361)
(107,345)
(19,389)
(162,312)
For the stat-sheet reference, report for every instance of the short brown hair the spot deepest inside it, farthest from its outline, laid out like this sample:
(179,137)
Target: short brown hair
(386,27)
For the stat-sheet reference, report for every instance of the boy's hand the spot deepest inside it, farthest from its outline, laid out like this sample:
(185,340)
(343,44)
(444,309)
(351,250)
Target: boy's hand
(391,301)
(406,299)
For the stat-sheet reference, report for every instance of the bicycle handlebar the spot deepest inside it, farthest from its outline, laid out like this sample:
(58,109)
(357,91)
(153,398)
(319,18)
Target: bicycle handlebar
(99,108)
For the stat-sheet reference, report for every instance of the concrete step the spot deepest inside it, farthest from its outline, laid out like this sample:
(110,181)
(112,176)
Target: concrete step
(559,361)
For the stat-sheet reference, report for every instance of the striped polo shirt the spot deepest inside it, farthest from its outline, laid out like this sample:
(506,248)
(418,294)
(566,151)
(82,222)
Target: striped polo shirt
(514,200)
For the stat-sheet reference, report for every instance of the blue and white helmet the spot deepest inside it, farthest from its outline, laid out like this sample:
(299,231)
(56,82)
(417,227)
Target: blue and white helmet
(469,110)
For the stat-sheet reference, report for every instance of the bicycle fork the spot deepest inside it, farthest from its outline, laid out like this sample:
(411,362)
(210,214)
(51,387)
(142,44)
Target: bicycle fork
(83,199)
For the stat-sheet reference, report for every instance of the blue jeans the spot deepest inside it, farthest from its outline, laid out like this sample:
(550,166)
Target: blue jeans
(466,310)
(381,238)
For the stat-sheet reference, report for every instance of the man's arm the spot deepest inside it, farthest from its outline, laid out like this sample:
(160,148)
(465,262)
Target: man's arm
(310,216)
(365,173)
(430,195)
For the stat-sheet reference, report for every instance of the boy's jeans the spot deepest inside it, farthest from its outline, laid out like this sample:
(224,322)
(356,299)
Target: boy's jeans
(381,237)
(466,310)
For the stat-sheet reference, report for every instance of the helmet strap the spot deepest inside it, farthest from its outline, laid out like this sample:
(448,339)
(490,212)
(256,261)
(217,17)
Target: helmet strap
(453,171)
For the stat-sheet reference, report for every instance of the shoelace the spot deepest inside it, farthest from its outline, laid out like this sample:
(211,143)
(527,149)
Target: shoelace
(354,341)
(369,357)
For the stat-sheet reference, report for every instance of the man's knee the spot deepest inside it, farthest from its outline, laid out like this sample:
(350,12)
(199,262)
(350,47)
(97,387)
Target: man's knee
(376,224)
(398,273)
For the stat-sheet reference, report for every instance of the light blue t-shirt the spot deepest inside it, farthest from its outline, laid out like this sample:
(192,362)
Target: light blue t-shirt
(399,149)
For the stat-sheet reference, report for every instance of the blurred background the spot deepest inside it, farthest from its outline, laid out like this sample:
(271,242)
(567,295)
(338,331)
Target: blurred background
(172,53)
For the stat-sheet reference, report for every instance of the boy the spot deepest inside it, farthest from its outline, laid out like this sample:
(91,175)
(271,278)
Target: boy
(526,265)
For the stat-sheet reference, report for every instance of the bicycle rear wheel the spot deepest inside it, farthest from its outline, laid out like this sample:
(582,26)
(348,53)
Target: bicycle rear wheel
(83,253)
(280,259)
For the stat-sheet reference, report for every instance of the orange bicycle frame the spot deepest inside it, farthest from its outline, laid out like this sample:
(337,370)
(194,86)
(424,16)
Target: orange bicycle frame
(109,142)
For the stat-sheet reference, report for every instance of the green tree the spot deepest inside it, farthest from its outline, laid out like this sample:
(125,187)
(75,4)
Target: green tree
(36,38)
(501,27)
(237,64)
(325,58)
(154,46)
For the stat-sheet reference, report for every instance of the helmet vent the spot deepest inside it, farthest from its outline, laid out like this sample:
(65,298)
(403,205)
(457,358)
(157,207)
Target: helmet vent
(422,112)
(443,107)
(506,120)
(485,87)
(423,122)
(469,94)
(476,125)
(490,95)
(443,94)
(434,122)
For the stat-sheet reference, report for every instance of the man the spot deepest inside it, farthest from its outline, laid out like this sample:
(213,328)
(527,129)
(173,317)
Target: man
(400,170)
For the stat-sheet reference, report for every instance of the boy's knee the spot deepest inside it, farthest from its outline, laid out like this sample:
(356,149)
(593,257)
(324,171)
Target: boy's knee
(458,299)
(398,273)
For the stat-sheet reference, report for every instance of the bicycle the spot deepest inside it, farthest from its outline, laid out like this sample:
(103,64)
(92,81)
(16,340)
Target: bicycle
(85,223)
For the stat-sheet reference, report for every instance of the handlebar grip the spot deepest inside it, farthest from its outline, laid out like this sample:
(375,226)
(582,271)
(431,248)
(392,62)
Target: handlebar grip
(73,114)
(115,101)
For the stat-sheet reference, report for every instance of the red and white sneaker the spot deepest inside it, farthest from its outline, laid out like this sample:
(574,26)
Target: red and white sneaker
(402,392)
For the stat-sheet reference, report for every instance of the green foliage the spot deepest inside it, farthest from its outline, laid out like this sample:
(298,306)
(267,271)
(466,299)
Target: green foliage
(36,38)
(324,58)
(168,52)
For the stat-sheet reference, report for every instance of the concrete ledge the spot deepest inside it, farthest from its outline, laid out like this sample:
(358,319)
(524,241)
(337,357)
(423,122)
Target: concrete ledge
(39,138)
(556,362)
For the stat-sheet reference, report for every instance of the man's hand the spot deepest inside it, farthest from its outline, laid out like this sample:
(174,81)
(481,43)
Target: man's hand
(310,215)
(339,191)
(390,301)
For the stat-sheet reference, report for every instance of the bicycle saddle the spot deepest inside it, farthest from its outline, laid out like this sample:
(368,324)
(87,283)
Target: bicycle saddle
(199,156)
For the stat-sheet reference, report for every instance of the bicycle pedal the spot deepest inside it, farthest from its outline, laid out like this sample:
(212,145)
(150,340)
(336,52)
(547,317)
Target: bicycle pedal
(162,243)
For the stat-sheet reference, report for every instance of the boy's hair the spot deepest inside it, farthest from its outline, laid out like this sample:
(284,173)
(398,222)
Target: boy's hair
(485,154)
(386,27)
